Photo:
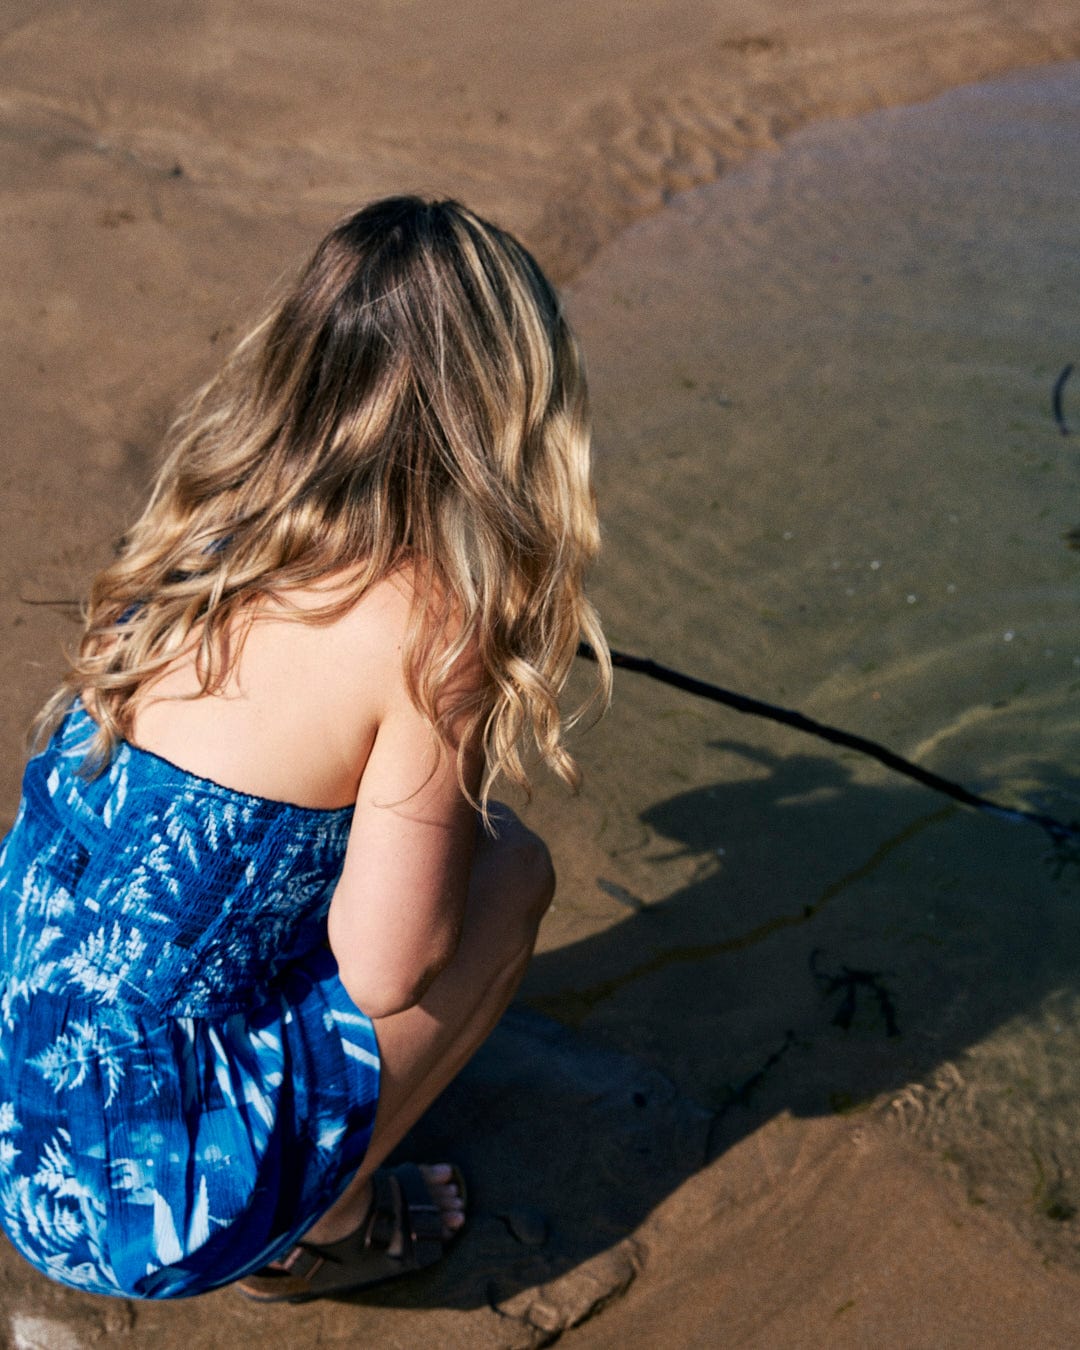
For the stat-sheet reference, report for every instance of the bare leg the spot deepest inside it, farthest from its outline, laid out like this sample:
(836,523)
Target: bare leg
(424,1047)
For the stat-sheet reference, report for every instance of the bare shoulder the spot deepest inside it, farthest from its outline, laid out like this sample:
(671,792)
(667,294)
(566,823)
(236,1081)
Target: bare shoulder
(300,710)
(369,637)
(378,626)
(303,706)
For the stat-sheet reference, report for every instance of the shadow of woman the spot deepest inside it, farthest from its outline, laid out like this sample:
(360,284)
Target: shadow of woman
(840,939)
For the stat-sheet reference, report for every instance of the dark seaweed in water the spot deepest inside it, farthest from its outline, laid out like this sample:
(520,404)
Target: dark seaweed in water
(1057,400)
(847,984)
(739,1095)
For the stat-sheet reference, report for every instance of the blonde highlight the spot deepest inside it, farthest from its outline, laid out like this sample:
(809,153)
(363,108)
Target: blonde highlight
(415,400)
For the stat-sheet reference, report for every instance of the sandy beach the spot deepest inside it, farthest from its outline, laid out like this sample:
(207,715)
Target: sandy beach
(811,1031)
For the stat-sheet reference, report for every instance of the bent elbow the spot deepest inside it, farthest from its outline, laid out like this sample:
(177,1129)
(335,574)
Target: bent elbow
(381,989)
(380,1003)
(379,996)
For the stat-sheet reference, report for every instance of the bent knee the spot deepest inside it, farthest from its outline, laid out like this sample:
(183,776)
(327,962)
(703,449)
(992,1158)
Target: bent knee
(537,873)
(518,865)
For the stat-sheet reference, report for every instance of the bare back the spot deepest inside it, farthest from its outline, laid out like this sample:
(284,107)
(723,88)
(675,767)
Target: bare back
(318,714)
(298,715)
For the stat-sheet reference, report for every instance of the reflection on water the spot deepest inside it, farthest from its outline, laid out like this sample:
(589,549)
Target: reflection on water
(832,477)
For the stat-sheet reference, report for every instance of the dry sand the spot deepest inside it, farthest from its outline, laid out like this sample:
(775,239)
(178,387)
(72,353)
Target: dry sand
(162,165)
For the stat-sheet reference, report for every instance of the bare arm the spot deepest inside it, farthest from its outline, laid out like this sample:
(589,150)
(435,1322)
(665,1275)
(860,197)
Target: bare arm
(395,919)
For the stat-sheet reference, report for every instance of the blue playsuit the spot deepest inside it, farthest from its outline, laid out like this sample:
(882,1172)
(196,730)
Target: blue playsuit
(185,1085)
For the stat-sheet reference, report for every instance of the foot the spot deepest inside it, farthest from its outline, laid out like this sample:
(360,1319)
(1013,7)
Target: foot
(412,1216)
(442,1182)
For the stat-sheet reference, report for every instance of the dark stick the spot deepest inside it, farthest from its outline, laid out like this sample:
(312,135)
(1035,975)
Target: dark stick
(1057,397)
(1057,831)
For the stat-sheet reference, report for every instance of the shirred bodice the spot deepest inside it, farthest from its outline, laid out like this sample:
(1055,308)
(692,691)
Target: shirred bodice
(150,890)
(185,1083)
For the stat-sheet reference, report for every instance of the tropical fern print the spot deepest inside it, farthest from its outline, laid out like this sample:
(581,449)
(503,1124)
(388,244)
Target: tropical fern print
(184,1083)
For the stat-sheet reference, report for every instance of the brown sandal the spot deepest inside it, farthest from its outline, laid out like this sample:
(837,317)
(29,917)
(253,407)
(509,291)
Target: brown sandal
(401,1207)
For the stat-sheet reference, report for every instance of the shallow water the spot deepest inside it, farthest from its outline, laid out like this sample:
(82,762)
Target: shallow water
(831,477)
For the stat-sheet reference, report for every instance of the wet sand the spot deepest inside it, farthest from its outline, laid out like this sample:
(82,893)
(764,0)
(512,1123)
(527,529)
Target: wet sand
(768,431)
(838,484)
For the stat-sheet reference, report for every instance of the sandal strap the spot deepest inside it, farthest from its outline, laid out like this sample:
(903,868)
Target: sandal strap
(305,1260)
(384,1217)
(401,1207)
(422,1224)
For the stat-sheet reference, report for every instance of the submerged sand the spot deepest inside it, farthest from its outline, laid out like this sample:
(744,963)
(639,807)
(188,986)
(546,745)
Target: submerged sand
(827,360)
(839,484)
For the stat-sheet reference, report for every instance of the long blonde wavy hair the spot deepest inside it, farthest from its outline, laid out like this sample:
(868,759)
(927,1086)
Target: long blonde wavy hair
(416,400)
